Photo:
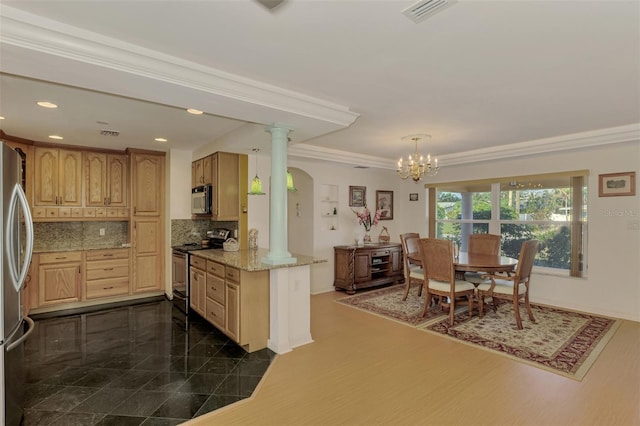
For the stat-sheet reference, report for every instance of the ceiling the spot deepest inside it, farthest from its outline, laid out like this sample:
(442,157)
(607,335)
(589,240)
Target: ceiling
(347,76)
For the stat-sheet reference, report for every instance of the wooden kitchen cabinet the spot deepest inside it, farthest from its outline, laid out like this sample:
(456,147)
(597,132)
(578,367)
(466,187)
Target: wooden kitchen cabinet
(197,285)
(58,178)
(201,172)
(146,243)
(107,273)
(59,278)
(105,180)
(236,302)
(357,267)
(147,183)
(225,170)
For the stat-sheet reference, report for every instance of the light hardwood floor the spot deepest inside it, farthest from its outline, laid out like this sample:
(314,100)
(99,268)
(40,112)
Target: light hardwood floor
(365,370)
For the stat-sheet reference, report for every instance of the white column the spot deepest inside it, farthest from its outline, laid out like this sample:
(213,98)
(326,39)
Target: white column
(278,254)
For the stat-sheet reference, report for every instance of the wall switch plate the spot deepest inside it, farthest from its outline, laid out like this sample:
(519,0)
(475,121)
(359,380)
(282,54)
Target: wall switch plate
(102,232)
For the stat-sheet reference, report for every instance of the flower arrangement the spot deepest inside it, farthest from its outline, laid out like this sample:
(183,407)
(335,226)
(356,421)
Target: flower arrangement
(364,218)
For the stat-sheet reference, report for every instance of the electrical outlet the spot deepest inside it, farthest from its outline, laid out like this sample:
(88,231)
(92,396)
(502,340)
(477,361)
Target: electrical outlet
(102,232)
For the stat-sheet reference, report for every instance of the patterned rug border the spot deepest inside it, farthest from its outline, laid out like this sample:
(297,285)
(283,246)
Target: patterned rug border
(589,359)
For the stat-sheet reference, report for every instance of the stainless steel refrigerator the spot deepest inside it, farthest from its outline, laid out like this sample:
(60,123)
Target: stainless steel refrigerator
(16,244)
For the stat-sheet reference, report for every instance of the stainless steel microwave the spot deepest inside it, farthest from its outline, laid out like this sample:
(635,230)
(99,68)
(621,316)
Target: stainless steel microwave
(201,199)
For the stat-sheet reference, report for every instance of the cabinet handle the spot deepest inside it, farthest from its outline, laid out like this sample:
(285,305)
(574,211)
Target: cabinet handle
(108,255)
(61,258)
(107,288)
(108,269)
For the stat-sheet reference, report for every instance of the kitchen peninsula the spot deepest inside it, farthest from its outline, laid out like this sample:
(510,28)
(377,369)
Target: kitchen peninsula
(256,304)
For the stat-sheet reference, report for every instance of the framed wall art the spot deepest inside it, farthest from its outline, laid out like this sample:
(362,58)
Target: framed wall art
(357,196)
(384,203)
(413,196)
(617,184)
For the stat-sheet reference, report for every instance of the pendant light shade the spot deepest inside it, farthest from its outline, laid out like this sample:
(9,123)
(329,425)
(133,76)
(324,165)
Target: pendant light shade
(256,183)
(290,186)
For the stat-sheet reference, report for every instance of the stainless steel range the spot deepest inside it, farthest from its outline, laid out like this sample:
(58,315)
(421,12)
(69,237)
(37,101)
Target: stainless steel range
(180,269)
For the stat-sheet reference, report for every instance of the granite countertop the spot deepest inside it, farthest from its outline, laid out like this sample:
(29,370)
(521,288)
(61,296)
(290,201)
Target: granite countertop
(251,260)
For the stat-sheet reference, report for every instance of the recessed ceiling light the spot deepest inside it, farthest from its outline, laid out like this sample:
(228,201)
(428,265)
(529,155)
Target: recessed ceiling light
(56,137)
(194,111)
(45,104)
(160,140)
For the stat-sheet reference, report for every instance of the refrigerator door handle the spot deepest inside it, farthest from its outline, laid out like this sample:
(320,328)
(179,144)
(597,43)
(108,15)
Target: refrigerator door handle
(18,197)
(32,326)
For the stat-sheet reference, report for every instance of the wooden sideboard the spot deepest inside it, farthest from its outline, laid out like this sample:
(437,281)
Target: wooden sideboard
(357,267)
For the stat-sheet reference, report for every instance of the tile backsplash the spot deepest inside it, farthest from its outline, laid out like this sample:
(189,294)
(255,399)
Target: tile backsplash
(59,236)
(192,231)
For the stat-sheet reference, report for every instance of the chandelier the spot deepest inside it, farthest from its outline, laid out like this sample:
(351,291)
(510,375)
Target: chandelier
(416,167)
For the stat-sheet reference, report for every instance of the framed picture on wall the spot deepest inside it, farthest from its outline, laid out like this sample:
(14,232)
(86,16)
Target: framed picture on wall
(357,196)
(617,184)
(384,203)
(413,196)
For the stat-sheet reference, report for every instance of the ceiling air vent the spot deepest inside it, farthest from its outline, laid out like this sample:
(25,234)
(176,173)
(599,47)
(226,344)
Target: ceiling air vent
(109,132)
(420,11)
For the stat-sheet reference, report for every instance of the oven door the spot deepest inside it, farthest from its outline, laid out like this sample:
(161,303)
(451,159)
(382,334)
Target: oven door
(180,280)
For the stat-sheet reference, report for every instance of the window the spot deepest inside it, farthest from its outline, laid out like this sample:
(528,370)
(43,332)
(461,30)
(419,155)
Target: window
(518,208)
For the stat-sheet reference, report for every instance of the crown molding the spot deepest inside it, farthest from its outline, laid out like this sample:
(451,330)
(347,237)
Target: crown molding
(37,34)
(575,141)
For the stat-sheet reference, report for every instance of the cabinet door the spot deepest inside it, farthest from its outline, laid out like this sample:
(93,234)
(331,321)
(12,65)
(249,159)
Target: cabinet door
(70,178)
(362,266)
(147,184)
(59,283)
(206,170)
(117,180)
(226,195)
(198,283)
(396,261)
(233,311)
(147,261)
(95,179)
(46,176)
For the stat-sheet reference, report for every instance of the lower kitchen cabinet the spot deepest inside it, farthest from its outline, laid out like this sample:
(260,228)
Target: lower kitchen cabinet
(59,278)
(107,273)
(236,301)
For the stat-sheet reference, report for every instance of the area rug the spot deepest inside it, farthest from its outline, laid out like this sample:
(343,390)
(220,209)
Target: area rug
(387,303)
(560,341)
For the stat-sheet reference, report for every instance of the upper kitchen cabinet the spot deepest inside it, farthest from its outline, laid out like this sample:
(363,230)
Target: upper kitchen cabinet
(147,183)
(105,179)
(201,172)
(225,170)
(58,177)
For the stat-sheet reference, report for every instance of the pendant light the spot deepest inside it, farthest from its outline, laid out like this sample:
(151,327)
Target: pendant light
(256,183)
(290,186)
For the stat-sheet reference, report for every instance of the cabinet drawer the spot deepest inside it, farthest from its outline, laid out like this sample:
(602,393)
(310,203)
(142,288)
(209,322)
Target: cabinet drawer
(107,254)
(107,269)
(51,211)
(198,262)
(215,313)
(71,256)
(380,253)
(215,288)
(107,287)
(215,268)
(233,274)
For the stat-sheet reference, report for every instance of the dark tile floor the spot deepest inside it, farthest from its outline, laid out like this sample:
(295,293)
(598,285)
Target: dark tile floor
(145,364)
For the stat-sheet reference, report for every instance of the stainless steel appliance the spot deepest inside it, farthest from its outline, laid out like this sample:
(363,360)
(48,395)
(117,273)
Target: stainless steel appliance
(201,199)
(16,236)
(180,268)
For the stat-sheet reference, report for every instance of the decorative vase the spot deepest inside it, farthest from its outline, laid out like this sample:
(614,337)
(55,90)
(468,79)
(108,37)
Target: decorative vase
(367,238)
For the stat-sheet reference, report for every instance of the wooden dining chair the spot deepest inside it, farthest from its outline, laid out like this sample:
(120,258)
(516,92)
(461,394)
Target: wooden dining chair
(440,277)
(482,244)
(412,271)
(514,288)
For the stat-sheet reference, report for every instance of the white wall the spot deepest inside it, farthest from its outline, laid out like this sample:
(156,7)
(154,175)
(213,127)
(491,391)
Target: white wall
(179,182)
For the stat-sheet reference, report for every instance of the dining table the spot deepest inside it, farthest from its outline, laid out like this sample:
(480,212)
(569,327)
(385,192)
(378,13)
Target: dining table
(471,262)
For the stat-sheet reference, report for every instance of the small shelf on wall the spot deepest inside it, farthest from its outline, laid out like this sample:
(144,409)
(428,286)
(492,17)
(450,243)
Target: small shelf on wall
(329,206)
